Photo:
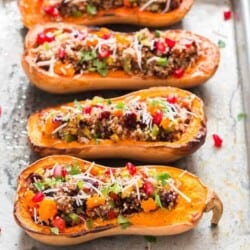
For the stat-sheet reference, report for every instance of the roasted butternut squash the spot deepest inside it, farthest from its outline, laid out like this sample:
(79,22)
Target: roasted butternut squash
(160,124)
(150,200)
(151,13)
(65,58)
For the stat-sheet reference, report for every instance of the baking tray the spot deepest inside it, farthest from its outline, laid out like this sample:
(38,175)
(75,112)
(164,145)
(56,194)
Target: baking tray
(226,98)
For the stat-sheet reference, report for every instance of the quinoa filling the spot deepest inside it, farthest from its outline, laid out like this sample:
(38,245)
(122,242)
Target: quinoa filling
(73,53)
(78,8)
(97,119)
(63,196)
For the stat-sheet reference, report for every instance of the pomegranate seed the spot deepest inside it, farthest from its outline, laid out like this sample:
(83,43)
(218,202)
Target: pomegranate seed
(87,110)
(148,188)
(157,117)
(38,197)
(130,120)
(111,214)
(178,73)
(227,15)
(217,141)
(172,99)
(61,53)
(170,43)
(188,45)
(59,171)
(44,37)
(109,171)
(51,11)
(59,223)
(113,196)
(131,168)
(1,111)
(106,36)
(104,53)
(105,115)
(160,46)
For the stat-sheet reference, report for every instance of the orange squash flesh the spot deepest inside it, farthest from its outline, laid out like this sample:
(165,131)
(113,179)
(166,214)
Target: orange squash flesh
(183,217)
(200,71)
(152,151)
(32,13)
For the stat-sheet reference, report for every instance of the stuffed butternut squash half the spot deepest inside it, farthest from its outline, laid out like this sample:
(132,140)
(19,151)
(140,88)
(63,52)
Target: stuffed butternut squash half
(62,200)
(138,12)
(64,58)
(160,124)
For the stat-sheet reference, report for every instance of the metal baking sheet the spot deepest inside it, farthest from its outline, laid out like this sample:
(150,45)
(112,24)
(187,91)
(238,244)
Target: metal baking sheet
(226,96)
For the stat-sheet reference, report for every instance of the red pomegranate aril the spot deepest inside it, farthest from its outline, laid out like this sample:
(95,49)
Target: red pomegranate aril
(38,197)
(44,37)
(109,171)
(170,43)
(111,214)
(157,117)
(148,188)
(106,36)
(105,114)
(131,168)
(130,120)
(59,223)
(172,99)
(178,73)
(160,46)
(104,53)
(59,171)
(227,15)
(113,196)
(87,110)
(61,53)
(217,141)
(51,11)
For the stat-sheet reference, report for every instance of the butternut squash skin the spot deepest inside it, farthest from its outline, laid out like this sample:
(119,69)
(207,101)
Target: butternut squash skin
(205,67)
(32,14)
(158,151)
(182,218)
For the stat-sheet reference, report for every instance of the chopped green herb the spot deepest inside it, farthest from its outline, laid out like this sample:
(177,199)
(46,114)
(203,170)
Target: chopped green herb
(120,105)
(150,238)
(77,105)
(127,64)
(109,102)
(74,217)
(77,13)
(91,9)
(116,188)
(80,184)
(158,33)
(163,178)
(158,200)
(54,230)
(155,130)
(101,67)
(39,185)
(241,116)
(74,170)
(46,46)
(97,99)
(52,182)
(123,221)
(221,44)
(89,224)
(70,138)
(111,203)
(87,55)
(162,61)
